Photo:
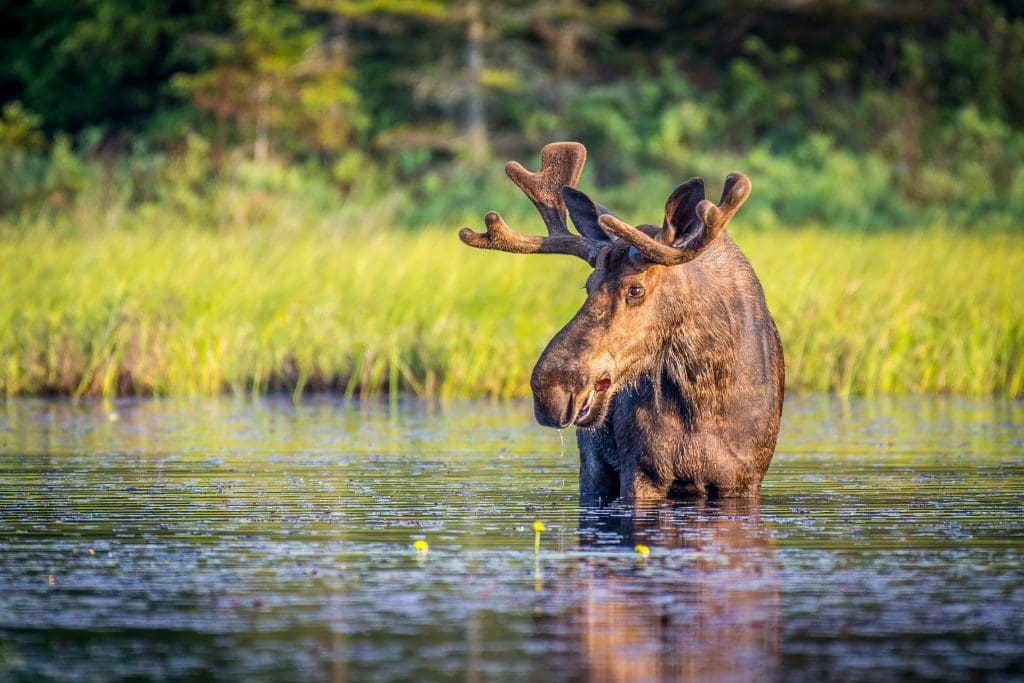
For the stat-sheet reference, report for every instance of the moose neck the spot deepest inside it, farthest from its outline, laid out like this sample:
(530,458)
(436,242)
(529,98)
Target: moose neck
(695,368)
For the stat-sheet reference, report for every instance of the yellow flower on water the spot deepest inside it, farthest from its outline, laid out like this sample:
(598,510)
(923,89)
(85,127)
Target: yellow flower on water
(642,550)
(420,546)
(538,527)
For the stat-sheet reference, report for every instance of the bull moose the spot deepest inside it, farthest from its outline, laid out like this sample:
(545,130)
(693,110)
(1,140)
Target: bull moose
(672,370)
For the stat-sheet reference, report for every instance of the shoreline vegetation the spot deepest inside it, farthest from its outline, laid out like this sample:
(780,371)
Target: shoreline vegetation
(115,301)
(257,196)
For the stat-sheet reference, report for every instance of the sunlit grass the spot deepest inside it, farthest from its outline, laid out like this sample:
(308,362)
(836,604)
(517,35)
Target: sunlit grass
(170,310)
(931,311)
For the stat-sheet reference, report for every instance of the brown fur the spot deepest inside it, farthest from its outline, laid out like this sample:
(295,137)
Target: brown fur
(693,363)
(697,378)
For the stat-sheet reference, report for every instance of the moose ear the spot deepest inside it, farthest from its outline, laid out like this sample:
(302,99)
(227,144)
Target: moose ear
(683,228)
(585,214)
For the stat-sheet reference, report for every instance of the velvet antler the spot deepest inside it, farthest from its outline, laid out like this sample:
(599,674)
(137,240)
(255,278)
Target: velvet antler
(684,236)
(561,165)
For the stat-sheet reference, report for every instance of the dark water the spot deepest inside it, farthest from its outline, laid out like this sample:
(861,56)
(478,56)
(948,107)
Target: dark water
(232,540)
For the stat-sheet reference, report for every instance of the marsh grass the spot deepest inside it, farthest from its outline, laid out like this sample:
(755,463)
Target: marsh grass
(151,307)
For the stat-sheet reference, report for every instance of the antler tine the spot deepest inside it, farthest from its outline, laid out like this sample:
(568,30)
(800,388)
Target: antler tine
(737,189)
(561,165)
(501,238)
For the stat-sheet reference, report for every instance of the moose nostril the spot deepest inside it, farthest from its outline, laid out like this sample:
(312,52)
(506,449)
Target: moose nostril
(567,413)
(554,407)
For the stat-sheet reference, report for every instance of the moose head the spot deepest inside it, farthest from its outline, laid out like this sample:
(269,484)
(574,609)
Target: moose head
(631,301)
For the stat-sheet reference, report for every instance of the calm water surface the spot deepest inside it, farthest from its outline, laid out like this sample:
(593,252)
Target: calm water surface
(239,540)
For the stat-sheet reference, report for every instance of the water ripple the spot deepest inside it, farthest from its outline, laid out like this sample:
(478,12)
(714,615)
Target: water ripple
(259,540)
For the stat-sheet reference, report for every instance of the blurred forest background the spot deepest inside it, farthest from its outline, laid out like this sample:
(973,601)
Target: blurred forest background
(147,139)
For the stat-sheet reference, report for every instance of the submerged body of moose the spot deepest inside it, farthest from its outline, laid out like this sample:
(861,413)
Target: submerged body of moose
(672,370)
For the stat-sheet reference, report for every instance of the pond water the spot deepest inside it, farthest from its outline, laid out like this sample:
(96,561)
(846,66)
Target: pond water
(257,540)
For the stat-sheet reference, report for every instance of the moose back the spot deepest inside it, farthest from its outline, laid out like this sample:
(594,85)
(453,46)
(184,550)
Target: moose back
(672,370)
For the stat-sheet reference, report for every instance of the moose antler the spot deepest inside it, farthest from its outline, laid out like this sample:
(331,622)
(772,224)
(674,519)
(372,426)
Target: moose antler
(659,249)
(561,165)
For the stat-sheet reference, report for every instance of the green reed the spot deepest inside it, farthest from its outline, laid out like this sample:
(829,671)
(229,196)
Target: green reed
(155,307)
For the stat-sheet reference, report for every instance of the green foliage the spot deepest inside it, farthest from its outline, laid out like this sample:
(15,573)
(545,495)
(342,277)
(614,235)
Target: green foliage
(973,71)
(166,165)
(277,80)
(19,128)
(100,62)
(316,79)
(290,296)
(185,280)
(817,182)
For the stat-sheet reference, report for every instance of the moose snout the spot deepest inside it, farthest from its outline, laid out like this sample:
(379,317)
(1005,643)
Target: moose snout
(563,377)
(554,406)
(557,392)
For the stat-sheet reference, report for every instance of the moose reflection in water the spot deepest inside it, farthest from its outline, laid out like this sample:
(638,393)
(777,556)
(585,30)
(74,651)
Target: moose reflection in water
(672,370)
(704,606)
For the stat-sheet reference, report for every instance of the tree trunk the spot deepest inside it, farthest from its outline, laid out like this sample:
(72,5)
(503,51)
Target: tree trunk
(261,142)
(476,124)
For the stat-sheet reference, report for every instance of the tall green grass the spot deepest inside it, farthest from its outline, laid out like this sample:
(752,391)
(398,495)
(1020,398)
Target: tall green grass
(148,306)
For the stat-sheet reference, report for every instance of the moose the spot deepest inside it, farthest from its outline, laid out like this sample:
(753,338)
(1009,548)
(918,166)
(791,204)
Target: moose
(672,370)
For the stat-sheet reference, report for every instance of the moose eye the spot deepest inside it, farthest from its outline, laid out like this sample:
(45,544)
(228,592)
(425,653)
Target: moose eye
(635,291)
